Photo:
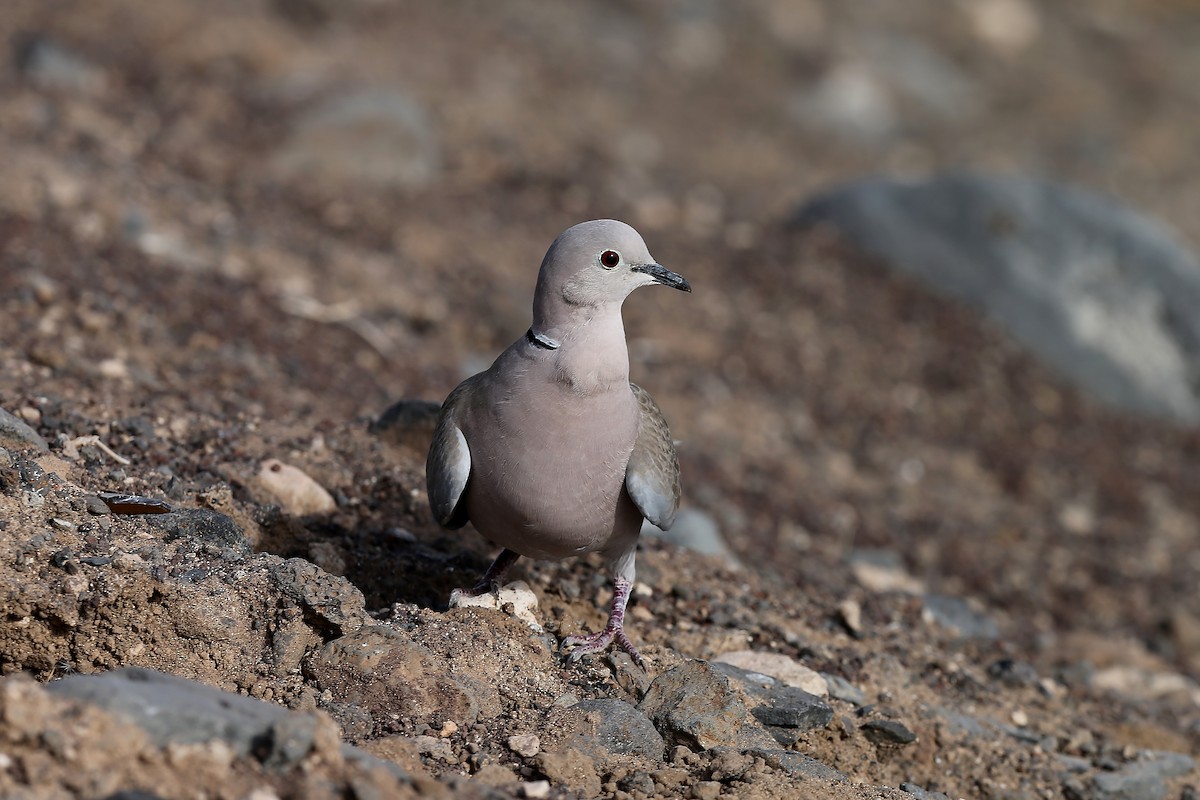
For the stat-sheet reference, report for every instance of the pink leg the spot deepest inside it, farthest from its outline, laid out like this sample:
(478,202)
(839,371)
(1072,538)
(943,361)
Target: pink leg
(614,631)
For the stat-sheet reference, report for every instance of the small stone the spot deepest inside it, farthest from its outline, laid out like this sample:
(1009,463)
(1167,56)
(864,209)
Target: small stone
(570,768)
(799,765)
(785,710)
(888,733)
(449,728)
(62,524)
(16,434)
(960,617)
(920,794)
(850,612)
(883,571)
(95,506)
(681,754)
(51,66)
(695,705)
(842,689)
(1013,673)
(1020,718)
(637,782)
(778,666)
(515,599)
(526,745)
(606,727)
(434,747)
(706,790)
(380,668)
(375,137)
(408,423)
(297,493)
(535,790)
(694,530)
(201,527)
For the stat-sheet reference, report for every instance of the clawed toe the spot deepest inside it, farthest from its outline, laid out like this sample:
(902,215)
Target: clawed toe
(581,646)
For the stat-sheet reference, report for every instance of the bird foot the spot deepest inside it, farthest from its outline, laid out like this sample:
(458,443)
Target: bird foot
(598,642)
(478,590)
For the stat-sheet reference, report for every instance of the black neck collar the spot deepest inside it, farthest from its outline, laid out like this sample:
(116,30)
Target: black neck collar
(540,340)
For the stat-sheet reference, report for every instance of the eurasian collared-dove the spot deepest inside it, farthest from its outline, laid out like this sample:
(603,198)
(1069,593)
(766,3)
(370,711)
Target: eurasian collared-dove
(552,452)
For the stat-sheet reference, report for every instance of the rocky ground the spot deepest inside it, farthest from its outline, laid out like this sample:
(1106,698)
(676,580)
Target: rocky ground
(233,234)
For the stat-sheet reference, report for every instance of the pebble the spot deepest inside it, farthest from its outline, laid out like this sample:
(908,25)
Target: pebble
(376,137)
(535,790)
(785,710)
(51,66)
(850,613)
(15,433)
(883,571)
(296,492)
(800,765)
(920,794)
(605,726)
(515,599)
(887,732)
(95,506)
(959,616)
(776,665)
(526,745)
(697,531)
(694,704)
(842,689)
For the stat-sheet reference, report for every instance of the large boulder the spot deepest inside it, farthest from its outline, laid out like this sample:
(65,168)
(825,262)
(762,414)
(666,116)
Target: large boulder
(1101,293)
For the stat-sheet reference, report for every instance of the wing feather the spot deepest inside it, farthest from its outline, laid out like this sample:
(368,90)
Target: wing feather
(652,477)
(448,467)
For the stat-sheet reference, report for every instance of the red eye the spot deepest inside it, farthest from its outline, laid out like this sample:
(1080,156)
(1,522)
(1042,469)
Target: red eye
(609,259)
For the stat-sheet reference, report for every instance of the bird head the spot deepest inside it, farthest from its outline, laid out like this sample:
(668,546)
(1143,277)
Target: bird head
(593,265)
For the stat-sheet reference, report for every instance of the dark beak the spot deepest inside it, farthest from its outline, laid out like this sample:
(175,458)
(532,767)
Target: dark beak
(664,276)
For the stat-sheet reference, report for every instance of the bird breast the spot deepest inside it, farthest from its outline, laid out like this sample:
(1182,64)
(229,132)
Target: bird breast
(548,479)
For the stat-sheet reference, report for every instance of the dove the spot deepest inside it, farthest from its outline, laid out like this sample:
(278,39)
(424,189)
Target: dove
(552,452)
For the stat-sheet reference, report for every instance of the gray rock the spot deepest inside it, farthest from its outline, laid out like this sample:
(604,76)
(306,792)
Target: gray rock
(1164,763)
(888,733)
(694,705)
(17,435)
(173,710)
(844,690)
(1013,673)
(957,615)
(387,674)
(799,765)
(330,601)
(606,727)
(408,423)
(920,794)
(1144,778)
(48,65)
(375,137)
(1102,294)
(694,530)
(202,526)
(1127,785)
(786,711)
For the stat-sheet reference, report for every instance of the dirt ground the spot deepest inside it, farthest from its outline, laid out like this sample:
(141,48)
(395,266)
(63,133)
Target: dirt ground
(190,273)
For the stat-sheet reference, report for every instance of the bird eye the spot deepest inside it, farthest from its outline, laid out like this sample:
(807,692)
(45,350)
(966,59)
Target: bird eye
(609,259)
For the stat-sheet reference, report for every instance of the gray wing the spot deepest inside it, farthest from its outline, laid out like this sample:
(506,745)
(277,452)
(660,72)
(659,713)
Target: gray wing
(652,477)
(448,467)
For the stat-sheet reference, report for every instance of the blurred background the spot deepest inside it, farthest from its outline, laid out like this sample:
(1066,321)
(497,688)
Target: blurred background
(944,330)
